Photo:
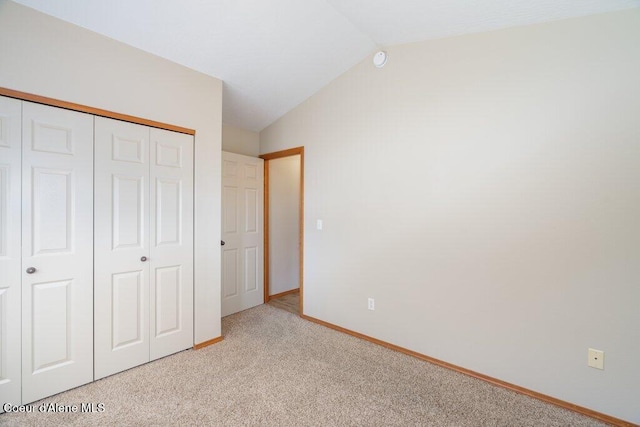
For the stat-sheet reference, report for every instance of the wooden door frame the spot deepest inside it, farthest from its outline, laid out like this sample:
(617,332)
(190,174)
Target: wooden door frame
(272,156)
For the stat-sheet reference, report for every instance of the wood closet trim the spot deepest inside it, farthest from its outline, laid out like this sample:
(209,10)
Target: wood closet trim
(208,343)
(91,110)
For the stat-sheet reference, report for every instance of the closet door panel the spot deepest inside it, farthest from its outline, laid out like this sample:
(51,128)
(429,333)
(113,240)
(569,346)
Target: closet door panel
(57,250)
(121,246)
(171,242)
(10,241)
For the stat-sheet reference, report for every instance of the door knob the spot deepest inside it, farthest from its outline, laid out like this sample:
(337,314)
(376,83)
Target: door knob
(222,242)
(143,259)
(31,270)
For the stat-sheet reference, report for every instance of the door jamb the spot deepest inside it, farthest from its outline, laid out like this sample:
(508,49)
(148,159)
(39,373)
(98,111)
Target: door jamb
(271,156)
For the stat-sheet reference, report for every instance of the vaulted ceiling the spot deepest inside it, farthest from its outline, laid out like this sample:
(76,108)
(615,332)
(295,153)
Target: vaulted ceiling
(273,54)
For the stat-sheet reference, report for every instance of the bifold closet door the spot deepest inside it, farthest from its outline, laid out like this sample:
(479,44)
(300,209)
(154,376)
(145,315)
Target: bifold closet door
(121,246)
(144,245)
(10,256)
(57,250)
(171,280)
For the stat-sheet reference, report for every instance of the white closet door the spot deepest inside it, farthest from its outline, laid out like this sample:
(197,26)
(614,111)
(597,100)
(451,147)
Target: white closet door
(121,246)
(10,240)
(242,232)
(57,250)
(171,256)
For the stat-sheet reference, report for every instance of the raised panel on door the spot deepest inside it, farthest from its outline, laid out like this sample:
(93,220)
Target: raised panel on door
(242,231)
(231,276)
(171,254)
(127,321)
(51,303)
(121,245)
(10,241)
(57,243)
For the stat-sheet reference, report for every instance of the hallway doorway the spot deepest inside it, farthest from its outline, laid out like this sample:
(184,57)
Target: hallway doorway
(283,227)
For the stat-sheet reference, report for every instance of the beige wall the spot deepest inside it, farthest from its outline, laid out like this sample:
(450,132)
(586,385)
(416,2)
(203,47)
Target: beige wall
(240,141)
(284,224)
(45,56)
(485,190)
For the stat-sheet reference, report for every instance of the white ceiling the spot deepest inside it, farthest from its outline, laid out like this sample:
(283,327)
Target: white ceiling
(274,54)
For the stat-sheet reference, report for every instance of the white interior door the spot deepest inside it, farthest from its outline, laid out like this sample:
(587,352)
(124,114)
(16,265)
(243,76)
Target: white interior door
(171,256)
(10,242)
(242,232)
(121,246)
(57,250)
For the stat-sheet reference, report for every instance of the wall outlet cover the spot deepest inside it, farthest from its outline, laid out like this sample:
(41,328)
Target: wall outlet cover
(595,358)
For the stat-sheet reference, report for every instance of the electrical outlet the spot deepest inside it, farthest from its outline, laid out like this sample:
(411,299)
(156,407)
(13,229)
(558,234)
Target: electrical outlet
(371,304)
(596,359)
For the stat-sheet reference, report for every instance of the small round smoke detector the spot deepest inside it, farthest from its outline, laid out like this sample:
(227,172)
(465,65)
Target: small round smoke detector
(380,58)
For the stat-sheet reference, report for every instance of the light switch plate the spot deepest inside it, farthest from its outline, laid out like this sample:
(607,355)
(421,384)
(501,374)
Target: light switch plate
(319,224)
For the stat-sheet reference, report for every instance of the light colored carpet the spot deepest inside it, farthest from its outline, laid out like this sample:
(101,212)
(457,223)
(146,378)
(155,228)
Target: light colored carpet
(290,302)
(274,368)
